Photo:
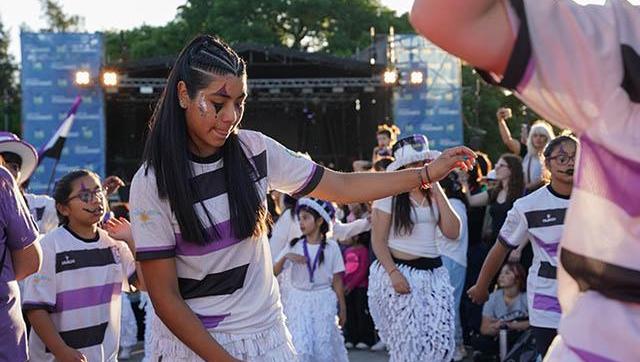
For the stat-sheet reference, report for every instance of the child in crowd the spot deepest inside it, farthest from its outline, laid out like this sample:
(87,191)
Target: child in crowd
(73,302)
(316,285)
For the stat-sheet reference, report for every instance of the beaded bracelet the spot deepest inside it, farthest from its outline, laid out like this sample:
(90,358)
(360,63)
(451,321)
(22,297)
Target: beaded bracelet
(425,184)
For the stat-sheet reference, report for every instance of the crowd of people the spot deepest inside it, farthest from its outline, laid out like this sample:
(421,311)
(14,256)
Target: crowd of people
(431,255)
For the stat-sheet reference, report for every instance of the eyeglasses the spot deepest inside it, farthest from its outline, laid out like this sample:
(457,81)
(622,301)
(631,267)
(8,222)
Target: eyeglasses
(87,196)
(498,165)
(563,160)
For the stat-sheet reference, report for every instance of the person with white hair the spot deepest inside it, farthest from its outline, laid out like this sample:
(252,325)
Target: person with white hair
(539,136)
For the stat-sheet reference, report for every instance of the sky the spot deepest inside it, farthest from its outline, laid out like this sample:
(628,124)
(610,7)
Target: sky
(107,15)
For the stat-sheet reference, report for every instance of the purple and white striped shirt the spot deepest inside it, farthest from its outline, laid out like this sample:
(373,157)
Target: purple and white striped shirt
(80,284)
(228,283)
(539,217)
(577,66)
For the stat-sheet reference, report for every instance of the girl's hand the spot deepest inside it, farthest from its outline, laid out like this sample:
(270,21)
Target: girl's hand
(119,229)
(111,184)
(296,258)
(451,158)
(478,295)
(69,354)
(342,317)
(399,282)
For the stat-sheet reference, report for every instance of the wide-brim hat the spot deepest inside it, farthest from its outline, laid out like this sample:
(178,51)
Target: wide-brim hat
(411,149)
(323,208)
(9,142)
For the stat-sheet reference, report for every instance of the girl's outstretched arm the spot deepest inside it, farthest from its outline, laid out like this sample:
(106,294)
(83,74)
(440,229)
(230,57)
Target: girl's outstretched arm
(346,188)
(476,31)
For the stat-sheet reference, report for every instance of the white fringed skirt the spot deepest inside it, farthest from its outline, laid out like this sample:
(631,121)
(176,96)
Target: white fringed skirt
(313,322)
(270,345)
(418,326)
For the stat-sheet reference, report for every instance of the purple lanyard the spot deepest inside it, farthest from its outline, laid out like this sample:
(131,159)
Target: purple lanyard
(311,268)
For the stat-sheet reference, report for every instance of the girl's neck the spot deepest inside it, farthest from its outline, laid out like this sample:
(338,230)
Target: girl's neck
(314,237)
(505,185)
(82,230)
(511,292)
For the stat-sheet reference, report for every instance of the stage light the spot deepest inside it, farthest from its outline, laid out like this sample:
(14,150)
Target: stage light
(82,78)
(390,77)
(416,77)
(110,79)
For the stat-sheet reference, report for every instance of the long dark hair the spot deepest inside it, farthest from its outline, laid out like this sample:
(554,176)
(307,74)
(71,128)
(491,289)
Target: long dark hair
(63,188)
(402,209)
(516,180)
(324,229)
(167,152)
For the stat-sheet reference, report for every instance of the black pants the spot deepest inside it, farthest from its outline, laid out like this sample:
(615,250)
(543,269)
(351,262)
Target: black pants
(544,337)
(359,326)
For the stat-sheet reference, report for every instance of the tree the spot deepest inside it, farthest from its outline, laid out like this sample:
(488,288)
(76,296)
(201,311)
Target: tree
(9,92)
(57,19)
(339,27)
(480,102)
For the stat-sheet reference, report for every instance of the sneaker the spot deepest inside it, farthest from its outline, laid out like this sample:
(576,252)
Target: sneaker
(380,346)
(348,345)
(362,346)
(125,353)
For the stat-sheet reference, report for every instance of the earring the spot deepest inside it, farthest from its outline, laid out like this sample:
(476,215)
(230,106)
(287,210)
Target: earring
(182,105)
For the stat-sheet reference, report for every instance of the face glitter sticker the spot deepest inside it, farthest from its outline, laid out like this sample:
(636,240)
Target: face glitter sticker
(202,106)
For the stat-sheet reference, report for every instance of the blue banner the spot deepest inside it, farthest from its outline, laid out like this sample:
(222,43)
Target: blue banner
(433,107)
(49,64)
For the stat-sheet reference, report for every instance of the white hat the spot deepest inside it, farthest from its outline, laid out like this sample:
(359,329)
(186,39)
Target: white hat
(411,149)
(9,142)
(323,208)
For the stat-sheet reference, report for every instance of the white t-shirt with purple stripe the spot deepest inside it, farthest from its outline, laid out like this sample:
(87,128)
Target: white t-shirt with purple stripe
(228,283)
(539,217)
(80,284)
(577,66)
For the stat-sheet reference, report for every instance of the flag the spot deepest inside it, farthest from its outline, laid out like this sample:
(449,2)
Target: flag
(53,148)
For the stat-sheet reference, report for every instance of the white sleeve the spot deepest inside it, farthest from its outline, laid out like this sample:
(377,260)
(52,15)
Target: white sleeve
(290,172)
(40,288)
(515,229)
(151,221)
(384,204)
(50,219)
(342,231)
(128,266)
(337,261)
(568,62)
(279,235)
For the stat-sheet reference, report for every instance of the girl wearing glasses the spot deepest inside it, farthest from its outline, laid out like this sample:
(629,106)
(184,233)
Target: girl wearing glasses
(501,198)
(538,217)
(410,296)
(73,302)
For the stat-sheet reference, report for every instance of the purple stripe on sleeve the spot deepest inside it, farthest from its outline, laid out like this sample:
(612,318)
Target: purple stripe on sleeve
(154,248)
(528,73)
(212,321)
(29,305)
(551,248)
(87,297)
(588,356)
(547,303)
(226,239)
(607,175)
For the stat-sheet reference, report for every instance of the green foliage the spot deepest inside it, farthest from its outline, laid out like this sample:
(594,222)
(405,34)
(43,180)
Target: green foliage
(480,102)
(56,18)
(339,27)
(9,89)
